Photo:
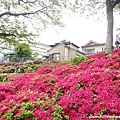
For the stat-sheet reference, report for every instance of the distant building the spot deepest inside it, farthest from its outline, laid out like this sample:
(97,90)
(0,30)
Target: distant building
(6,55)
(93,47)
(1,57)
(41,49)
(65,50)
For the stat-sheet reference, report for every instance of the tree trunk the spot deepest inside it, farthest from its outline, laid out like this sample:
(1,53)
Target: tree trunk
(109,39)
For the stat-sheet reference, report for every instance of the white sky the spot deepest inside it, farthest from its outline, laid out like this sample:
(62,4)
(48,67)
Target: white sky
(79,31)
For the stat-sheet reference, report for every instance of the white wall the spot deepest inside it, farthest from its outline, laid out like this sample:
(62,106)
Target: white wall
(97,48)
(73,47)
(66,53)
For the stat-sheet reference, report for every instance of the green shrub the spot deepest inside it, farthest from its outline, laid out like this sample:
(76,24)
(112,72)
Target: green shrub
(78,59)
(2,76)
(66,61)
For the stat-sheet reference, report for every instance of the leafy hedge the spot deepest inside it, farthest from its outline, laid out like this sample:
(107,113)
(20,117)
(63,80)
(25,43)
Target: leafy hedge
(78,59)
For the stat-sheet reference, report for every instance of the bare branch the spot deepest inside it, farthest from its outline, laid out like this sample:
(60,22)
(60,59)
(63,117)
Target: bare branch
(100,2)
(114,3)
(23,14)
(7,34)
(27,1)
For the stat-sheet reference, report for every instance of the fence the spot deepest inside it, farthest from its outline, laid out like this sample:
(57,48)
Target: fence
(24,59)
(19,59)
(61,58)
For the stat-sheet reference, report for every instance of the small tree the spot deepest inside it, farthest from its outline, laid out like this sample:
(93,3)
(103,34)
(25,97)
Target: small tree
(23,50)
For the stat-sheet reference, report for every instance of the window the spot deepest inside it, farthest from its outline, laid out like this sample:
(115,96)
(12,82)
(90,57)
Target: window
(89,51)
(56,56)
(5,57)
(103,49)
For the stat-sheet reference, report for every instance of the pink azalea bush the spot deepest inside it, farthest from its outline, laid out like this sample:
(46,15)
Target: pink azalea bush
(65,92)
(0,63)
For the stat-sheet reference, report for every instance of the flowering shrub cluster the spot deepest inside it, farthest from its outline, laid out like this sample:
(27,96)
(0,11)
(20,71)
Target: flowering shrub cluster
(10,67)
(28,66)
(65,92)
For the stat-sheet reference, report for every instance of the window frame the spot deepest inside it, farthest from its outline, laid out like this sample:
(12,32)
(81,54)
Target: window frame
(89,51)
(54,57)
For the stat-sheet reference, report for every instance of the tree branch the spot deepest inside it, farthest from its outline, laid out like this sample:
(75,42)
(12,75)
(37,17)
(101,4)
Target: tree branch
(27,1)
(114,3)
(7,34)
(100,2)
(23,14)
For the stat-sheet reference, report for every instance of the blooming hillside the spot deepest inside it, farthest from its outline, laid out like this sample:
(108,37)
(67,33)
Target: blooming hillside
(65,92)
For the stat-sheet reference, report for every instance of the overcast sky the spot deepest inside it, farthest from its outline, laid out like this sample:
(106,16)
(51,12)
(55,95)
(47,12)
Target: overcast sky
(79,31)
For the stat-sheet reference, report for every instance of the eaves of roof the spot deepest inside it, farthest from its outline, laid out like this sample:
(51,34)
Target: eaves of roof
(81,52)
(92,45)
